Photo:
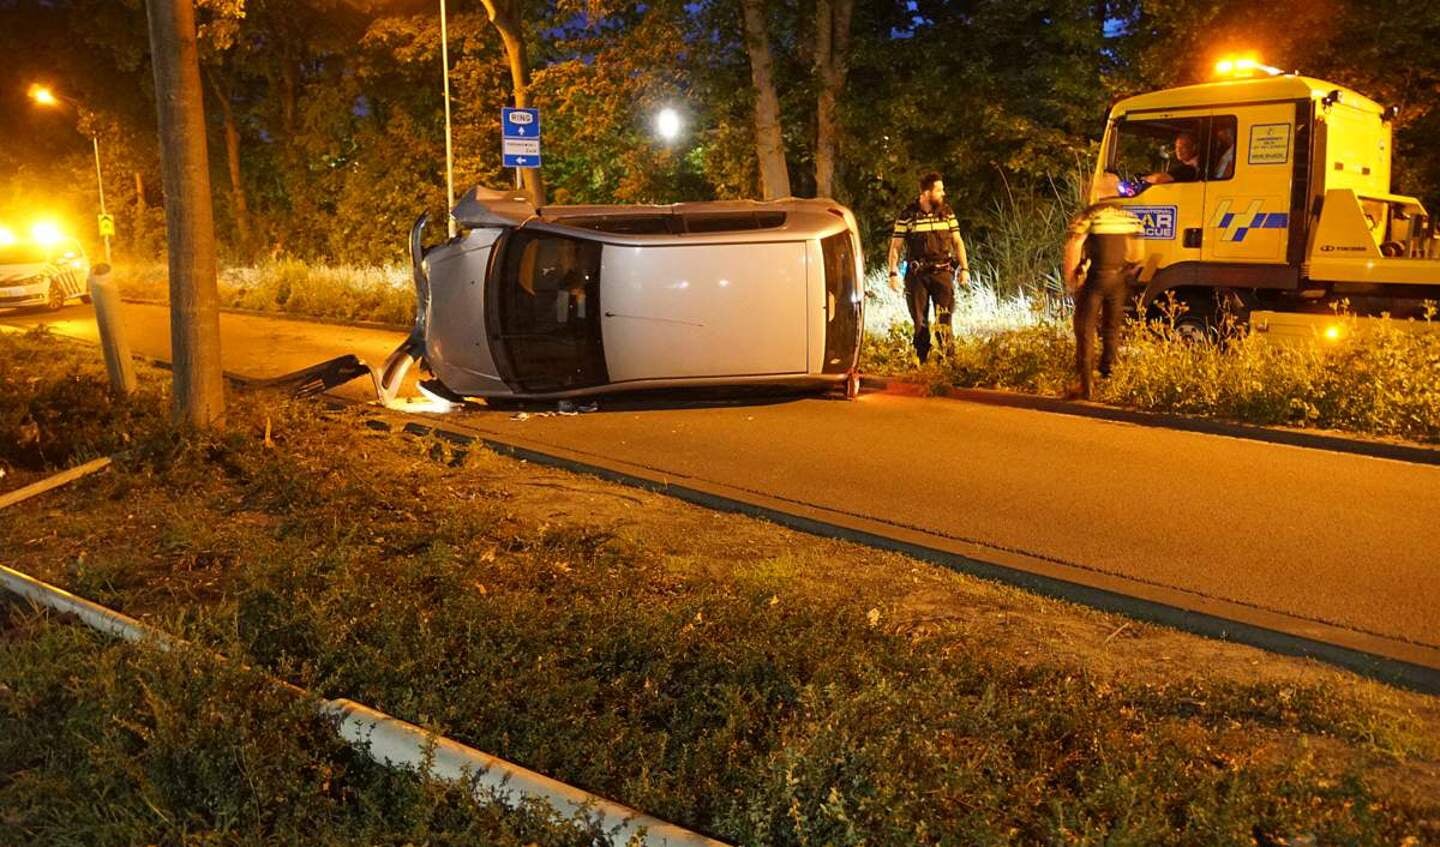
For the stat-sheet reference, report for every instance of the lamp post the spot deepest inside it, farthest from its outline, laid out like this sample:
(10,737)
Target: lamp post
(449,150)
(45,97)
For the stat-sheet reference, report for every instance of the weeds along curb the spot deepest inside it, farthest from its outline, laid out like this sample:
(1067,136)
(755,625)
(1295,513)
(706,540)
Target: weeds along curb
(65,477)
(396,743)
(1414,454)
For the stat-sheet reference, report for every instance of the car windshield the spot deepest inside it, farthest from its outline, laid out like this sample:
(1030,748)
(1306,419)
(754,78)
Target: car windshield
(23,254)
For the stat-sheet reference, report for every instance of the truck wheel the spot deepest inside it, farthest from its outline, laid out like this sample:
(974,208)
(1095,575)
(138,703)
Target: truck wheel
(1194,329)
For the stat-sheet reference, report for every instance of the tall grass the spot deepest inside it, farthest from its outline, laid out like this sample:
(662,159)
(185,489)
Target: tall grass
(1013,331)
(292,287)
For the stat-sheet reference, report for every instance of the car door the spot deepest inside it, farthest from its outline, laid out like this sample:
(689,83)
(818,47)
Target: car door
(457,346)
(1248,202)
(705,310)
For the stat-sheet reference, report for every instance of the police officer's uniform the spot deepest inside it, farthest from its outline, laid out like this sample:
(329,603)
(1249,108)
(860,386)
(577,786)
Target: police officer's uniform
(929,270)
(1108,229)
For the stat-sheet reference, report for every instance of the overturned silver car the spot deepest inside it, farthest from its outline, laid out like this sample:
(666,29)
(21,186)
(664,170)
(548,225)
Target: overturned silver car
(570,301)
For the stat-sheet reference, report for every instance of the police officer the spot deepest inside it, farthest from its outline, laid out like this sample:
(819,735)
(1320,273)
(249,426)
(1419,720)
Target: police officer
(928,231)
(1106,237)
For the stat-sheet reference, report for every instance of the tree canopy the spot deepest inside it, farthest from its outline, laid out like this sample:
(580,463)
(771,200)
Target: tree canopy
(327,118)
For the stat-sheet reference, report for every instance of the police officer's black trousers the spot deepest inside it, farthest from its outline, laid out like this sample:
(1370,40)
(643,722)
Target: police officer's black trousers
(1102,299)
(922,287)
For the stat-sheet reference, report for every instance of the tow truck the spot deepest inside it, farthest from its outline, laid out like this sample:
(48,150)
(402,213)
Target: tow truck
(1283,214)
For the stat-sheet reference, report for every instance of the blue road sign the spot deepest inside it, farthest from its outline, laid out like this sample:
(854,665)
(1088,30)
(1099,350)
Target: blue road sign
(520,138)
(519,123)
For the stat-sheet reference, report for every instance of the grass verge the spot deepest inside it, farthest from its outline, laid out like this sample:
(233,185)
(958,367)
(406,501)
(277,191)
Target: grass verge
(1384,381)
(764,686)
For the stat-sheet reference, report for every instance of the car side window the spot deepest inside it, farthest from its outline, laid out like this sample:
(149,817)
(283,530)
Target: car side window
(548,294)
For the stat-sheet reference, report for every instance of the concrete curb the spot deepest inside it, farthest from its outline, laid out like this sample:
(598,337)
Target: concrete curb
(1399,452)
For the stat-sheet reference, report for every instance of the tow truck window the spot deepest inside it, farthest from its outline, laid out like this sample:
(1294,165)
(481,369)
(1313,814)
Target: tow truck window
(549,298)
(1173,147)
(1147,148)
(1221,158)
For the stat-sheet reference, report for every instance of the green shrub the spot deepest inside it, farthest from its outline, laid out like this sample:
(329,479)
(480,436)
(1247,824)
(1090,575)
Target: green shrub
(1382,380)
(56,407)
(107,743)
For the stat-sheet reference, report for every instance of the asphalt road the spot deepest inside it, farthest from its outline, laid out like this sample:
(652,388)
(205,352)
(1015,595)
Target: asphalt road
(1345,543)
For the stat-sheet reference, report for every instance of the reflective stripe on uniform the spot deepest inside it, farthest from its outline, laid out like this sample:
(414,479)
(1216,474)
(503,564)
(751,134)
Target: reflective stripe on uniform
(1106,219)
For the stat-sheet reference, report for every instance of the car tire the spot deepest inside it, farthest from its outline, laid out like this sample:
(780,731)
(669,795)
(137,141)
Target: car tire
(86,299)
(55,300)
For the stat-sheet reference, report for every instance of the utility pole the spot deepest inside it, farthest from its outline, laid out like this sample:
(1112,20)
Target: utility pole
(189,216)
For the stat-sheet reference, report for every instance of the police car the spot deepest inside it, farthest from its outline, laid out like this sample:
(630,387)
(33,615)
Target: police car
(47,269)
(572,301)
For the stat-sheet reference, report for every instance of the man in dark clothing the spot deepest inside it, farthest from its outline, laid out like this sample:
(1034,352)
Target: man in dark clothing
(930,235)
(1186,167)
(1106,237)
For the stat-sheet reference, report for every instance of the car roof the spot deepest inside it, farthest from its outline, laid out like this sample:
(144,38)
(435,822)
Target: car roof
(802,217)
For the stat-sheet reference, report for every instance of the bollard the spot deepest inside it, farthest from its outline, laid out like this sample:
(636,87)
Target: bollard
(106,298)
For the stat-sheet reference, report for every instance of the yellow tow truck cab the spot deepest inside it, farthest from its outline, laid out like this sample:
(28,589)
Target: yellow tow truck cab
(1270,195)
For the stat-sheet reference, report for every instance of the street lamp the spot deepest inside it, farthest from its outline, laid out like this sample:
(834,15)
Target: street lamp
(45,97)
(449,154)
(667,124)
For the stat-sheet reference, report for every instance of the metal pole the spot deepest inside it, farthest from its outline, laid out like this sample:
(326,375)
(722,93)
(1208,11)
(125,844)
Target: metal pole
(113,341)
(100,182)
(449,154)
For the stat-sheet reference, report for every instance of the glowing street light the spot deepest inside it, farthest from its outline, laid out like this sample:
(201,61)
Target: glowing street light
(44,96)
(667,124)
(49,99)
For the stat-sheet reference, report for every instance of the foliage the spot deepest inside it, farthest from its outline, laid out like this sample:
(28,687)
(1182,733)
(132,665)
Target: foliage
(104,743)
(57,409)
(339,118)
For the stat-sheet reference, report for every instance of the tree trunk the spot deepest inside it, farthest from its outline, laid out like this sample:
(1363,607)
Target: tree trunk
(189,219)
(505,16)
(238,203)
(832,63)
(769,144)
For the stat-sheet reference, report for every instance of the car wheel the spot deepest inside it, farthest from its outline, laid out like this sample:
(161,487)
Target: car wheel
(56,299)
(85,298)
